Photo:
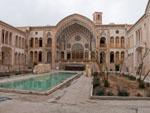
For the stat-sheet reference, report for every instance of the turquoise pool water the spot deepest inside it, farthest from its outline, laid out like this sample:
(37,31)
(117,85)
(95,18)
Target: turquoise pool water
(40,83)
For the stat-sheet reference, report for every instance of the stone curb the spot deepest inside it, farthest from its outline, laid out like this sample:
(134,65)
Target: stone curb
(115,97)
(43,93)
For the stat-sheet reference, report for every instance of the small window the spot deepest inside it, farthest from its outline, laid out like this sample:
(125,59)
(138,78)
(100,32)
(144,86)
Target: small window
(36,33)
(117,31)
(98,17)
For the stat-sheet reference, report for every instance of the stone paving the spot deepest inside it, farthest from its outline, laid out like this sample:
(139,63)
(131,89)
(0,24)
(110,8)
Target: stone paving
(71,99)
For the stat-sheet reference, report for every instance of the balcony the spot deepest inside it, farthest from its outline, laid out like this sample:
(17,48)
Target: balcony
(139,45)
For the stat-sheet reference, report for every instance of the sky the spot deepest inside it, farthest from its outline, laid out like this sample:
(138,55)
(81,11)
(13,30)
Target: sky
(50,12)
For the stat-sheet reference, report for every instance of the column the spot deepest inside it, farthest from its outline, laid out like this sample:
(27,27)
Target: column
(33,42)
(71,55)
(13,57)
(65,55)
(89,55)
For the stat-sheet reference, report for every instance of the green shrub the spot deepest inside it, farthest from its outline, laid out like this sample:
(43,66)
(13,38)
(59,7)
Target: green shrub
(123,92)
(106,83)
(96,82)
(100,92)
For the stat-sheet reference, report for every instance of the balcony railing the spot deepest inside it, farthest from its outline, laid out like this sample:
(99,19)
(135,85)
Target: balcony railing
(139,45)
(103,45)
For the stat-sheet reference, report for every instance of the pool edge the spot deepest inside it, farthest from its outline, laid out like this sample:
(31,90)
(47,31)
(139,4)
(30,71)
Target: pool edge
(5,90)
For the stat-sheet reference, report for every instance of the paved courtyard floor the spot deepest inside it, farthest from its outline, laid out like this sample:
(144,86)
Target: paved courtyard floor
(71,99)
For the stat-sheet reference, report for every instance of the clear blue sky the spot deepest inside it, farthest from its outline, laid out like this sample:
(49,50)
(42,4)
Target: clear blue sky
(50,12)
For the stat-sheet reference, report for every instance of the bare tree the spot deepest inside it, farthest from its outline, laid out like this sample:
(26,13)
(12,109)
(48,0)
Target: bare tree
(140,70)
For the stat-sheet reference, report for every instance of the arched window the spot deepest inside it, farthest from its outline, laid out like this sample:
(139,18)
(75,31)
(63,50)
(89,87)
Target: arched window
(40,56)
(19,42)
(112,41)
(15,59)
(68,56)
(36,57)
(122,42)
(3,36)
(48,34)
(102,57)
(40,42)
(112,57)
(117,41)
(117,57)
(19,59)
(62,55)
(103,42)
(49,42)
(6,37)
(16,41)
(31,56)
(122,55)
(22,43)
(10,38)
(36,42)
(31,42)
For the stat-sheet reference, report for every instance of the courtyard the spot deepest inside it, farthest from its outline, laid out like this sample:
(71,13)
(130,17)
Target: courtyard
(74,98)
(55,61)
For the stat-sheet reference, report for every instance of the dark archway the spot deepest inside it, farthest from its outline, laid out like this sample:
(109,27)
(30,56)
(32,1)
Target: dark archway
(102,57)
(103,42)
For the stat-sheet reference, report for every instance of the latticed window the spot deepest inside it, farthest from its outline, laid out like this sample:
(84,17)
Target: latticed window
(77,38)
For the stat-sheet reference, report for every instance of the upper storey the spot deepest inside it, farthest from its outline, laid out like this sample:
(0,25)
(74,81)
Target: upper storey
(11,36)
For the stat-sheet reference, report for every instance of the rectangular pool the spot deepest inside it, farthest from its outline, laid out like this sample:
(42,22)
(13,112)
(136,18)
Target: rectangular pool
(41,83)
